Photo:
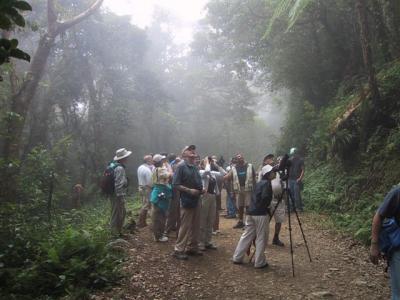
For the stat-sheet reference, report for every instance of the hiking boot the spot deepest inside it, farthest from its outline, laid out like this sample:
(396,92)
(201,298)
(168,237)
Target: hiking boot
(277,242)
(180,255)
(211,247)
(193,253)
(239,225)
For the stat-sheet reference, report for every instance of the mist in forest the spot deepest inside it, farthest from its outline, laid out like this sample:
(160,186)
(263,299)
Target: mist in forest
(108,83)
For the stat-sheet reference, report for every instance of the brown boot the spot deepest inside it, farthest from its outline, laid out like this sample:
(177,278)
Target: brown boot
(142,219)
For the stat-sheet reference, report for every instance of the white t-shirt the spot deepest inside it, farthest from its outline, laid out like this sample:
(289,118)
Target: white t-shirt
(144,175)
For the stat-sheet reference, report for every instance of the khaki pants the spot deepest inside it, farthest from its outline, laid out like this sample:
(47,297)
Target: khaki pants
(257,227)
(145,193)
(118,213)
(279,214)
(189,229)
(207,218)
(243,199)
(158,222)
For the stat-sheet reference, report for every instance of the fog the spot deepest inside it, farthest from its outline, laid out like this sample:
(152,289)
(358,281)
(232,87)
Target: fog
(150,84)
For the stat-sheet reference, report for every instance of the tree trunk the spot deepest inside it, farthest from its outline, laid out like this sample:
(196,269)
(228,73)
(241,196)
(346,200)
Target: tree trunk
(94,123)
(391,10)
(382,32)
(21,101)
(366,50)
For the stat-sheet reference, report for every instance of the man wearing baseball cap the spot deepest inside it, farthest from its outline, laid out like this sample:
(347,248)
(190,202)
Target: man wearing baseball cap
(188,182)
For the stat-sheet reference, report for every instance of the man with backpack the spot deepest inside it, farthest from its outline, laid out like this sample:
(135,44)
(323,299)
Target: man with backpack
(115,184)
(385,237)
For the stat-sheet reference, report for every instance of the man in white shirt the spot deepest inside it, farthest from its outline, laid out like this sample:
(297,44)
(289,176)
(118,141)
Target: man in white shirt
(144,174)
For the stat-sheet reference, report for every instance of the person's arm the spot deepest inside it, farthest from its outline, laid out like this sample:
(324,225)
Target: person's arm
(177,183)
(301,174)
(229,176)
(149,179)
(375,230)
(254,175)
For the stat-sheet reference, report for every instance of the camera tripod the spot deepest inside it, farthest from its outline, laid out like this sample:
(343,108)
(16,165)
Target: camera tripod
(288,198)
(290,203)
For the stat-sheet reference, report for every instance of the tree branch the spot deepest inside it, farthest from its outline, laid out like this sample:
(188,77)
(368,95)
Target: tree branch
(51,15)
(63,26)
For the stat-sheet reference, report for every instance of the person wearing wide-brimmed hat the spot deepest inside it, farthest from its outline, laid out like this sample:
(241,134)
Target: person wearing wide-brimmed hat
(118,210)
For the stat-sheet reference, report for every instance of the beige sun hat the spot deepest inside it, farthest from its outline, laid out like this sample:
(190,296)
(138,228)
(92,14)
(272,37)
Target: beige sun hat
(121,153)
(158,157)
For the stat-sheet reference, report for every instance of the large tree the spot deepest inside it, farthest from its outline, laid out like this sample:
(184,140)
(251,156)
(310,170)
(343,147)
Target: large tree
(20,102)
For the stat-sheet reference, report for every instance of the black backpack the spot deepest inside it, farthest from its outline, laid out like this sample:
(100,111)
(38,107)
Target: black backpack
(211,185)
(107,182)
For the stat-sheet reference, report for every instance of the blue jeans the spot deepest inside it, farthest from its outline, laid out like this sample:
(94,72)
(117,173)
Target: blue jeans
(294,188)
(230,205)
(395,275)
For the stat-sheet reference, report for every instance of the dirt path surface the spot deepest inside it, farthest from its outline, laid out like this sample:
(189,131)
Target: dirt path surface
(340,269)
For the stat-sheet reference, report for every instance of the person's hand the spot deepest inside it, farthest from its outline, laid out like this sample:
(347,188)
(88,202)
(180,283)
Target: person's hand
(194,192)
(298,180)
(203,191)
(374,253)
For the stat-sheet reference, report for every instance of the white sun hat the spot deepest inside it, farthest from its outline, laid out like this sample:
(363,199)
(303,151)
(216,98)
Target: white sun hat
(121,153)
(266,169)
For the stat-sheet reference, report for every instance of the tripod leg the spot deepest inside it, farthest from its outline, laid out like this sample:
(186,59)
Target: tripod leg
(290,231)
(300,225)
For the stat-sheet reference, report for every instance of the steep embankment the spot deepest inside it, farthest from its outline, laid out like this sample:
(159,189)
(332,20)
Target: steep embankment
(352,164)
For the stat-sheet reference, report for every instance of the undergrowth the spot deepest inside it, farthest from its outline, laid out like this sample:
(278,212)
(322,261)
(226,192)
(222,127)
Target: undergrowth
(348,182)
(65,257)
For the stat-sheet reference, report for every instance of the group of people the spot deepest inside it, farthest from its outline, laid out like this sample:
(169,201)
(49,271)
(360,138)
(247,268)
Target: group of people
(183,194)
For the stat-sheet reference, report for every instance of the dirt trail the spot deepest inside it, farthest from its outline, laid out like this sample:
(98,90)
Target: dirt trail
(340,269)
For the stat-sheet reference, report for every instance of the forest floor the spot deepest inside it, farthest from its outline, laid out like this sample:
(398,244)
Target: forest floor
(340,269)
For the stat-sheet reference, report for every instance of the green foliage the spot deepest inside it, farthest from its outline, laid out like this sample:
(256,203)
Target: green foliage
(70,257)
(293,10)
(10,15)
(347,182)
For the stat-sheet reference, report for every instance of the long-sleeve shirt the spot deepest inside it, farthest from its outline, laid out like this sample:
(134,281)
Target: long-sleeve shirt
(120,181)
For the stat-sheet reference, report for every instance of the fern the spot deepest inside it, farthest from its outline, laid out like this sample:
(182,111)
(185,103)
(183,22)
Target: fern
(293,9)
